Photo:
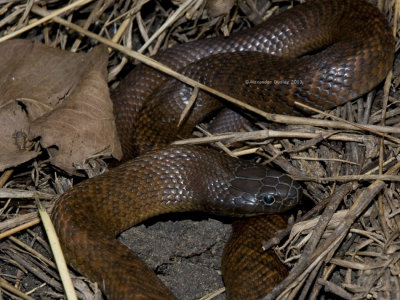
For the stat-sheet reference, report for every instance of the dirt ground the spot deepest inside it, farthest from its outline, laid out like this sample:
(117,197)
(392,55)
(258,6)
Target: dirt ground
(186,254)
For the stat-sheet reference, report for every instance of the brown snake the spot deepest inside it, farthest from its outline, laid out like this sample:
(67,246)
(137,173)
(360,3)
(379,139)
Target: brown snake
(322,53)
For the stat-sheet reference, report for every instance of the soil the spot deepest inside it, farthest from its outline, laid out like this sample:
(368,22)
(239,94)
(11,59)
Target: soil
(186,254)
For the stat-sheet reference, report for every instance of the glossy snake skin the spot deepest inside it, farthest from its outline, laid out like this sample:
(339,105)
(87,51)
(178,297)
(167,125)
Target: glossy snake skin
(323,53)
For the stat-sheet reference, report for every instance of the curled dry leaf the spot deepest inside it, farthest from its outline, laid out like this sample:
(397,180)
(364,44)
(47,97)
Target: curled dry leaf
(60,97)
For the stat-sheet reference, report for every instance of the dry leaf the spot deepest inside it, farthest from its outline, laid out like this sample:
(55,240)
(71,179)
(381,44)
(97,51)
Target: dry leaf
(57,96)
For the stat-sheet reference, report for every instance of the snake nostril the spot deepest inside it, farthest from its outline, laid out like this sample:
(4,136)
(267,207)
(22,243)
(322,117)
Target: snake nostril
(269,199)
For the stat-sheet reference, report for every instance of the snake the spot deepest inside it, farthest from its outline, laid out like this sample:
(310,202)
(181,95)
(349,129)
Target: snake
(322,53)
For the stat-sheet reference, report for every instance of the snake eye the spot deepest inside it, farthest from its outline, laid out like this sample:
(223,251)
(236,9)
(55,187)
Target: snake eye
(269,199)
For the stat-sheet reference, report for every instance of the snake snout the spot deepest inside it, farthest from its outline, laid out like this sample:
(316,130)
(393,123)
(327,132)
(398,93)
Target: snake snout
(258,190)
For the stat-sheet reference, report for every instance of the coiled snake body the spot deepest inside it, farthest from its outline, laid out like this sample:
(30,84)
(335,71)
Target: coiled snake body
(323,53)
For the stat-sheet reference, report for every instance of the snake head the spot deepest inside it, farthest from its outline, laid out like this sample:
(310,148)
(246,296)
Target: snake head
(258,190)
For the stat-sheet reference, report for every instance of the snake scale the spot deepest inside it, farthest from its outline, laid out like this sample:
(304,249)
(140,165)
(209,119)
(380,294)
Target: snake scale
(322,53)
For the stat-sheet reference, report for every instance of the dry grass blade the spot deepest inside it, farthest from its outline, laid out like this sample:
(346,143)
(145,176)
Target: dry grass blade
(14,193)
(393,178)
(213,294)
(5,285)
(19,228)
(270,134)
(171,20)
(57,252)
(44,19)
(192,100)
(362,127)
